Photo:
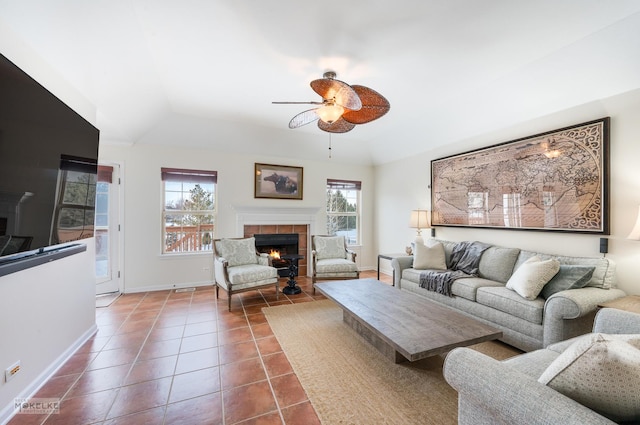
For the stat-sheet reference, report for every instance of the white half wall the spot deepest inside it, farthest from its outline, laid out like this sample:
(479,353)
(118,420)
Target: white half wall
(395,200)
(46,313)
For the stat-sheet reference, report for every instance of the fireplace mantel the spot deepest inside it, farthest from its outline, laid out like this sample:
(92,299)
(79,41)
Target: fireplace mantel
(275,215)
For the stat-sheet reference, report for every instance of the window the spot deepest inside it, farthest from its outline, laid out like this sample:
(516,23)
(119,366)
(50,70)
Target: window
(188,215)
(343,210)
(75,207)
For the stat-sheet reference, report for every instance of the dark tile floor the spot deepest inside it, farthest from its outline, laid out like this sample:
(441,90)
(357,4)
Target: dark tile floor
(170,357)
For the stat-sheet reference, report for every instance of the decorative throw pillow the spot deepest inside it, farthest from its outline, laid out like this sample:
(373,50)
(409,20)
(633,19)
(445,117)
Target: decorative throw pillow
(568,277)
(429,257)
(330,247)
(601,372)
(529,279)
(239,252)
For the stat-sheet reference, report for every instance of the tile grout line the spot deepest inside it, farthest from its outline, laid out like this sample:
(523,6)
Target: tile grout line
(117,390)
(266,372)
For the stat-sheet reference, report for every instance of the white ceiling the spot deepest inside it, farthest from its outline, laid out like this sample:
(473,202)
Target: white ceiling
(204,72)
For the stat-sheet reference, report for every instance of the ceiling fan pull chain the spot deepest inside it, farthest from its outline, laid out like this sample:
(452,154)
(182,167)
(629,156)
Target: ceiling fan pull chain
(329,145)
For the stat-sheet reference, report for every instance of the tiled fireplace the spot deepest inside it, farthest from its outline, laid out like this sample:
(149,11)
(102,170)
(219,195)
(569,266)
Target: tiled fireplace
(302,232)
(251,221)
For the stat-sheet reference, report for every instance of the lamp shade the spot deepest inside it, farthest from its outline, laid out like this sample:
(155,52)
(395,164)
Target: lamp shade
(420,219)
(635,232)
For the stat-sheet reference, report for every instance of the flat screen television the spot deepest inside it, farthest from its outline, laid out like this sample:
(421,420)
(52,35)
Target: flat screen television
(48,168)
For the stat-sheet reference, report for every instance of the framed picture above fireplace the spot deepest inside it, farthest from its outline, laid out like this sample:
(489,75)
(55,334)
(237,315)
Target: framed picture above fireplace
(278,181)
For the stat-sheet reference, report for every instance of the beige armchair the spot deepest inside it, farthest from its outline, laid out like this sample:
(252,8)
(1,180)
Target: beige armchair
(238,267)
(332,260)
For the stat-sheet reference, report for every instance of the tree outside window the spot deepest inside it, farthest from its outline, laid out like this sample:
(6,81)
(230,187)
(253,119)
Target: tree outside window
(343,213)
(189,210)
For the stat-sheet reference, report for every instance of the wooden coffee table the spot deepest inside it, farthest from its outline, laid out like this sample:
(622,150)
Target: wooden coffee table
(401,325)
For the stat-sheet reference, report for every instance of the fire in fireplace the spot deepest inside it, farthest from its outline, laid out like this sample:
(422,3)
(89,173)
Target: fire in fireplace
(278,245)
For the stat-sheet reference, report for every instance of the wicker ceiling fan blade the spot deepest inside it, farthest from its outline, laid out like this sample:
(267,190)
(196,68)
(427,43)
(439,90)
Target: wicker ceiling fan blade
(304,118)
(374,105)
(338,126)
(297,103)
(337,91)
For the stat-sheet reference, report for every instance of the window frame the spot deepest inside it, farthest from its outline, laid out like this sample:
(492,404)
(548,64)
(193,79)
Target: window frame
(202,237)
(345,185)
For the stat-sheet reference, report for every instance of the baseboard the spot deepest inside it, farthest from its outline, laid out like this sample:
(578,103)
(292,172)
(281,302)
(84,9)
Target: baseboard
(9,411)
(166,287)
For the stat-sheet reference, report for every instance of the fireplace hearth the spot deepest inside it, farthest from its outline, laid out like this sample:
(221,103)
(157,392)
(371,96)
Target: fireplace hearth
(277,245)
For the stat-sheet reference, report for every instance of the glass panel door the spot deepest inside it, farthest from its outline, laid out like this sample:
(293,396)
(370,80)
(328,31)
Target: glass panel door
(106,235)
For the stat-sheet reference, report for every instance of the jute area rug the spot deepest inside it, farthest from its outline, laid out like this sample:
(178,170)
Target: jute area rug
(349,382)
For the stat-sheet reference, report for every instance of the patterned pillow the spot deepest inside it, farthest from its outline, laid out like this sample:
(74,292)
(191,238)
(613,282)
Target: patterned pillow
(568,277)
(239,252)
(601,372)
(429,257)
(330,247)
(529,279)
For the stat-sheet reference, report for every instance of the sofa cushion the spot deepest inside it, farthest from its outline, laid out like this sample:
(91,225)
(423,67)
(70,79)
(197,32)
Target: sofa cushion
(560,347)
(533,363)
(510,302)
(329,247)
(532,275)
(251,275)
(238,252)
(601,372)
(467,287)
(335,266)
(497,263)
(429,256)
(568,277)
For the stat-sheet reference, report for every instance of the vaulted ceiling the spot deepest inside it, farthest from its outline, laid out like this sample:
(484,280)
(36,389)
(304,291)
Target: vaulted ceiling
(204,72)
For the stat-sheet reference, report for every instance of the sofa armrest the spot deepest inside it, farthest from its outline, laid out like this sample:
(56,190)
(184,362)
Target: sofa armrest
(351,255)
(490,392)
(613,321)
(575,303)
(264,259)
(398,264)
(220,271)
(570,313)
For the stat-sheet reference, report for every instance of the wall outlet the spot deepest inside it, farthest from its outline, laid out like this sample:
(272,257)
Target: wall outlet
(11,371)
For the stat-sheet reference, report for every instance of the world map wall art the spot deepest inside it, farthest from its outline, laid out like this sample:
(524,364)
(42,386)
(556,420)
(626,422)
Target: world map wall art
(555,181)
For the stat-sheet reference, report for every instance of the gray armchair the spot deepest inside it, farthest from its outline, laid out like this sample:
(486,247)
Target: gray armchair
(508,392)
(332,260)
(238,267)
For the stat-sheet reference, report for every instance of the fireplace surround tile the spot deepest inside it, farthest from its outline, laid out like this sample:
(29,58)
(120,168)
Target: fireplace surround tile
(301,230)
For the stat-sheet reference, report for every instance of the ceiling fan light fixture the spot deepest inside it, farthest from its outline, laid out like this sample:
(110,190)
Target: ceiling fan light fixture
(330,112)
(342,107)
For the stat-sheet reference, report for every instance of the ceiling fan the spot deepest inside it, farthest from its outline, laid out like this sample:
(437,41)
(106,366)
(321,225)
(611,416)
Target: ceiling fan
(343,106)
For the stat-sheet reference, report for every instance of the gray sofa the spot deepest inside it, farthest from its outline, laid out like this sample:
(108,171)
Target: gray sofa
(508,392)
(527,325)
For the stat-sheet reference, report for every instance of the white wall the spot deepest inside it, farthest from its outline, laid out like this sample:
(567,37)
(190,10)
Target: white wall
(403,185)
(146,269)
(46,313)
